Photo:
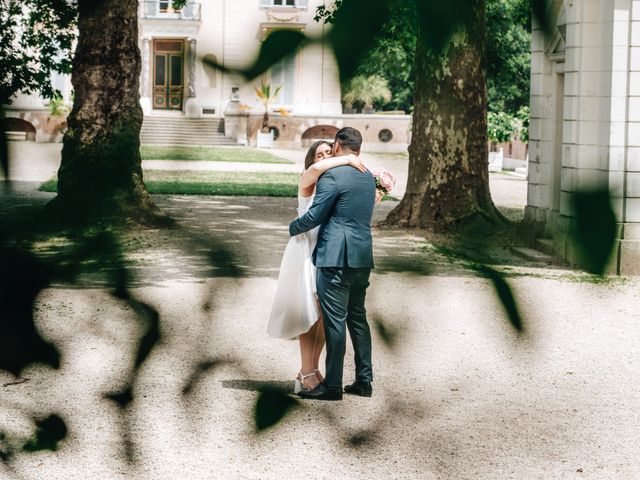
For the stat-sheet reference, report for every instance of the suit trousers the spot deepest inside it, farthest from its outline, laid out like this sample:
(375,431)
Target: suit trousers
(342,291)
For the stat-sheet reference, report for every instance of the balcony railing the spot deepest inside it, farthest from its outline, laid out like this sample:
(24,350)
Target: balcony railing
(162,9)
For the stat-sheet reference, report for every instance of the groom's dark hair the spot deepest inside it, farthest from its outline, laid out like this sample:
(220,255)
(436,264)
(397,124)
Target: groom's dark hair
(350,139)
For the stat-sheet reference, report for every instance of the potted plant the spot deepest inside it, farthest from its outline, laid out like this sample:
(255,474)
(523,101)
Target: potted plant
(266,94)
(363,91)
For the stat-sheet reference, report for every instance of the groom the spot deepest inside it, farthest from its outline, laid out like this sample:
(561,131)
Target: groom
(342,206)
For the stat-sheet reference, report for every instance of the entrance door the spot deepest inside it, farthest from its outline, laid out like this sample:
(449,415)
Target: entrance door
(168,74)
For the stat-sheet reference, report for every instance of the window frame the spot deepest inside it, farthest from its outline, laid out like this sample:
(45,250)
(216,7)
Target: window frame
(297,4)
(269,77)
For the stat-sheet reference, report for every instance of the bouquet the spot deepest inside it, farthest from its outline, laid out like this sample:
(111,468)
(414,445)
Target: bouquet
(385,181)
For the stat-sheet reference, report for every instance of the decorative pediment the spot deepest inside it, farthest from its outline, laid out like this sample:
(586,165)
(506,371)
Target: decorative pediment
(286,15)
(557,46)
(558,19)
(267,27)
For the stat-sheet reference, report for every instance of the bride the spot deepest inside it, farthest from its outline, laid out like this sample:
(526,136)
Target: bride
(295,311)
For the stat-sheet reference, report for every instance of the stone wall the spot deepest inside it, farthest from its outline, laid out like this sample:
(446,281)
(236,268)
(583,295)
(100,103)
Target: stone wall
(585,121)
(381,133)
(515,149)
(48,128)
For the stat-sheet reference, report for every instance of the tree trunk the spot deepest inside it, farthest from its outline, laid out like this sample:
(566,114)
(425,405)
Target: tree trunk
(448,183)
(100,173)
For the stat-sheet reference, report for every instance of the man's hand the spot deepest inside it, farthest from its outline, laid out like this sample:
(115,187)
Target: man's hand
(355,162)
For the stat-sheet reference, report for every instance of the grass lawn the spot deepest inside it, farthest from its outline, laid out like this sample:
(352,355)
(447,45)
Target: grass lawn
(213,154)
(259,184)
(262,184)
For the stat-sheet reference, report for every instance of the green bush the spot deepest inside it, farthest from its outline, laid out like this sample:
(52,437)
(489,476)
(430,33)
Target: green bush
(501,127)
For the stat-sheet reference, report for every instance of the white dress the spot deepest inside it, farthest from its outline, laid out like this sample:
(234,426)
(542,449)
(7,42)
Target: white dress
(295,307)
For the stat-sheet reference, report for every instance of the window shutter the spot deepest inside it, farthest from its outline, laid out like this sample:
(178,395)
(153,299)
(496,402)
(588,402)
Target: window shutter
(302,3)
(265,3)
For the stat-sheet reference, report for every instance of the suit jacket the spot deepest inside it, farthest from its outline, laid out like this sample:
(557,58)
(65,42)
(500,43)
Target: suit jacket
(342,206)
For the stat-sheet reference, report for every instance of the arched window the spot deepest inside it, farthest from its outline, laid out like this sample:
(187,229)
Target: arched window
(11,124)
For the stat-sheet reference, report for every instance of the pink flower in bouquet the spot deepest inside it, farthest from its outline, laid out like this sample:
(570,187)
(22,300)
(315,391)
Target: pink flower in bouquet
(384,179)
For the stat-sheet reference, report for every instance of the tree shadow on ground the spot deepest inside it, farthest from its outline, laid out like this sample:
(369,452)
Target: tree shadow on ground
(258,385)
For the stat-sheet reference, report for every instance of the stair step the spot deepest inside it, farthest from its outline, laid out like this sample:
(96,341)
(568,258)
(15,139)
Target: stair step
(545,245)
(183,120)
(186,139)
(164,133)
(182,131)
(531,254)
(183,125)
(192,143)
(145,141)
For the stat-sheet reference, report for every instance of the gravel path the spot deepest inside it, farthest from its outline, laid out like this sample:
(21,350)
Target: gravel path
(457,395)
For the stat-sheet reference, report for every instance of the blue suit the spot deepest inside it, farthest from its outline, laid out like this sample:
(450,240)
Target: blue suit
(343,207)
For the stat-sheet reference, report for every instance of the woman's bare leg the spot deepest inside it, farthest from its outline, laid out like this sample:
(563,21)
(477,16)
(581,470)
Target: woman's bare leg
(307,354)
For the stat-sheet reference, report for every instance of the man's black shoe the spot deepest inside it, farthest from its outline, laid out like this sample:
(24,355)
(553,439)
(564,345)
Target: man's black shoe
(362,389)
(321,392)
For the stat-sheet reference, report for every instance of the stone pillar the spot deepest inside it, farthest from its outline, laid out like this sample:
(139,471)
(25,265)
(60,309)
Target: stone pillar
(624,152)
(236,120)
(145,95)
(192,67)
(193,107)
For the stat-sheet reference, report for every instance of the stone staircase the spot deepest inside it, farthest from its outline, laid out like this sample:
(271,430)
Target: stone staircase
(176,130)
(541,252)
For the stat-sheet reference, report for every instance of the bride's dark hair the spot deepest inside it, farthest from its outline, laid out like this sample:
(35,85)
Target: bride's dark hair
(311,154)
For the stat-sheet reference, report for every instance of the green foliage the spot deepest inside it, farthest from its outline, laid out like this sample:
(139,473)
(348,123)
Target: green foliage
(58,107)
(392,54)
(500,127)
(393,51)
(37,39)
(522,118)
(211,154)
(264,184)
(508,54)
(267,94)
(366,90)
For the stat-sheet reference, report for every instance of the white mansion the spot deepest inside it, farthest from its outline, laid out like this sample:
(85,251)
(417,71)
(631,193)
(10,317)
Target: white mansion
(230,33)
(178,85)
(585,121)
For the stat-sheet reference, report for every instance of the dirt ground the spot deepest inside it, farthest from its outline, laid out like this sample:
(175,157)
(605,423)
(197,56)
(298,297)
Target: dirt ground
(457,393)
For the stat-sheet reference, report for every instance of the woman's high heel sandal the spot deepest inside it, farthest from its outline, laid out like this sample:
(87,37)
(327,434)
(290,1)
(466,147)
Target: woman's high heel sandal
(299,383)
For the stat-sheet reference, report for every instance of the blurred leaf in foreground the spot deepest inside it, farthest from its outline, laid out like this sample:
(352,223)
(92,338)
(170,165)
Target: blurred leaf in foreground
(505,295)
(277,46)
(22,278)
(49,432)
(387,333)
(272,405)
(355,26)
(595,231)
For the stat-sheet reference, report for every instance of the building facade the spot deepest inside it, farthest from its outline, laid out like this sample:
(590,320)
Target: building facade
(585,121)
(185,98)
(178,48)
